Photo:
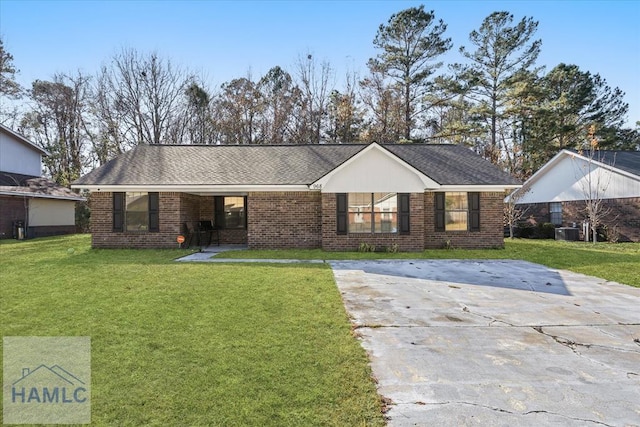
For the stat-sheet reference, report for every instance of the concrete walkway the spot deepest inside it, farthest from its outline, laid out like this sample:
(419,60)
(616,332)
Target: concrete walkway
(486,343)
(207,254)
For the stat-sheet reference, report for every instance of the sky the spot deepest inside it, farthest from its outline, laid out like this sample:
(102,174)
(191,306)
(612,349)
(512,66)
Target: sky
(223,40)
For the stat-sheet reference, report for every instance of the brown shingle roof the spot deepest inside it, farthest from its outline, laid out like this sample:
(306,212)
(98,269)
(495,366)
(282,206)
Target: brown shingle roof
(14,184)
(280,165)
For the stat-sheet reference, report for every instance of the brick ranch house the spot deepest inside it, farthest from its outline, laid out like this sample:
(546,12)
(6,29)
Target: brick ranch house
(557,193)
(333,197)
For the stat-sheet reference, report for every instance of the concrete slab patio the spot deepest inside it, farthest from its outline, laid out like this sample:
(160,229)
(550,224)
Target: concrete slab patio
(490,343)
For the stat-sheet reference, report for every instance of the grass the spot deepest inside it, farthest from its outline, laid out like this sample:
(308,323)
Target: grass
(616,262)
(225,344)
(193,344)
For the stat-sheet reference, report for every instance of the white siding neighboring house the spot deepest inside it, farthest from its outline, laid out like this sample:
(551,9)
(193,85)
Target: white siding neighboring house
(43,207)
(558,192)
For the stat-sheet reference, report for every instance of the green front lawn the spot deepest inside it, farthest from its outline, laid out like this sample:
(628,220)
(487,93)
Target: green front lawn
(616,262)
(225,344)
(193,344)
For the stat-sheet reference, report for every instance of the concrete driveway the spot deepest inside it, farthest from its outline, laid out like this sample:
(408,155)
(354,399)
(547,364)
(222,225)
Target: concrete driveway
(496,343)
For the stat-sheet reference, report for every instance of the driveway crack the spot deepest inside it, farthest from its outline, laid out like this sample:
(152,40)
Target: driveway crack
(454,402)
(568,417)
(505,411)
(492,320)
(562,341)
(574,345)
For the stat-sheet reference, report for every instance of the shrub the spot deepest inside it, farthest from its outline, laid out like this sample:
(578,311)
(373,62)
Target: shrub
(524,231)
(366,247)
(546,230)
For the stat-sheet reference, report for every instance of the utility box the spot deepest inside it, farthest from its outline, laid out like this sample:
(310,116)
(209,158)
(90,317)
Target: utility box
(567,233)
(18,230)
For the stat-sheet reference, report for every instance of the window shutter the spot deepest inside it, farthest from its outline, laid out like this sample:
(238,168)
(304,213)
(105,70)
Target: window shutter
(341,212)
(474,211)
(439,208)
(218,207)
(154,211)
(403,213)
(118,212)
(246,212)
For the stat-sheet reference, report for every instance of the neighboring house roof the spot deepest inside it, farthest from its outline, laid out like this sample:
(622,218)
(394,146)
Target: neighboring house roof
(13,184)
(280,165)
(628,161)
(23,140)
(563,177)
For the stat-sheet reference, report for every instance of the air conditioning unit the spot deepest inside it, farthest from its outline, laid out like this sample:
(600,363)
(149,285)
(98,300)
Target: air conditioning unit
(567,233)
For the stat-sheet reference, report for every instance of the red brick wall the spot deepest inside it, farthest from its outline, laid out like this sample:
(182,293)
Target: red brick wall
(189,208)
(174,209)
(351,241)
(11,209)
(295,220)
(233,236)
(538,212)
(623,215)
(207,208)
(491,234)
(284,220)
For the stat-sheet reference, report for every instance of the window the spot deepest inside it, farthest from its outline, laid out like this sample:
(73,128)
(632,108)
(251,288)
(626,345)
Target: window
(230,212)
(555,213)
(372,213)
(457,211)
(136,217)
(136,211)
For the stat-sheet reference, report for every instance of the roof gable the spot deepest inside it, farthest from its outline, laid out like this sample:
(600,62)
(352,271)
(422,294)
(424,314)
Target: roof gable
(23,140)
(567,175)
(374,169)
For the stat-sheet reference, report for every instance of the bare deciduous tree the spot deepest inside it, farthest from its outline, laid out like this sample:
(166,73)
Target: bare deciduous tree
(594,180)
(345,115)
(385,121)
(198,122)
(314,81)
(139,98)
(238,109)
(58,123)
(280,97)
(512,212)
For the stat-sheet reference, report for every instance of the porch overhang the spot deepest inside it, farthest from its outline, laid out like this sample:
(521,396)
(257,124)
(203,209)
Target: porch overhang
(193,189)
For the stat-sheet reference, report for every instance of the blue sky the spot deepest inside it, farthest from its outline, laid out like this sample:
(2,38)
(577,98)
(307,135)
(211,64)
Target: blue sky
(222,40)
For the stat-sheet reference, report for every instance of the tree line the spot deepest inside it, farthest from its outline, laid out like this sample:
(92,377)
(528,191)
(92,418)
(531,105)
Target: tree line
(496,100)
